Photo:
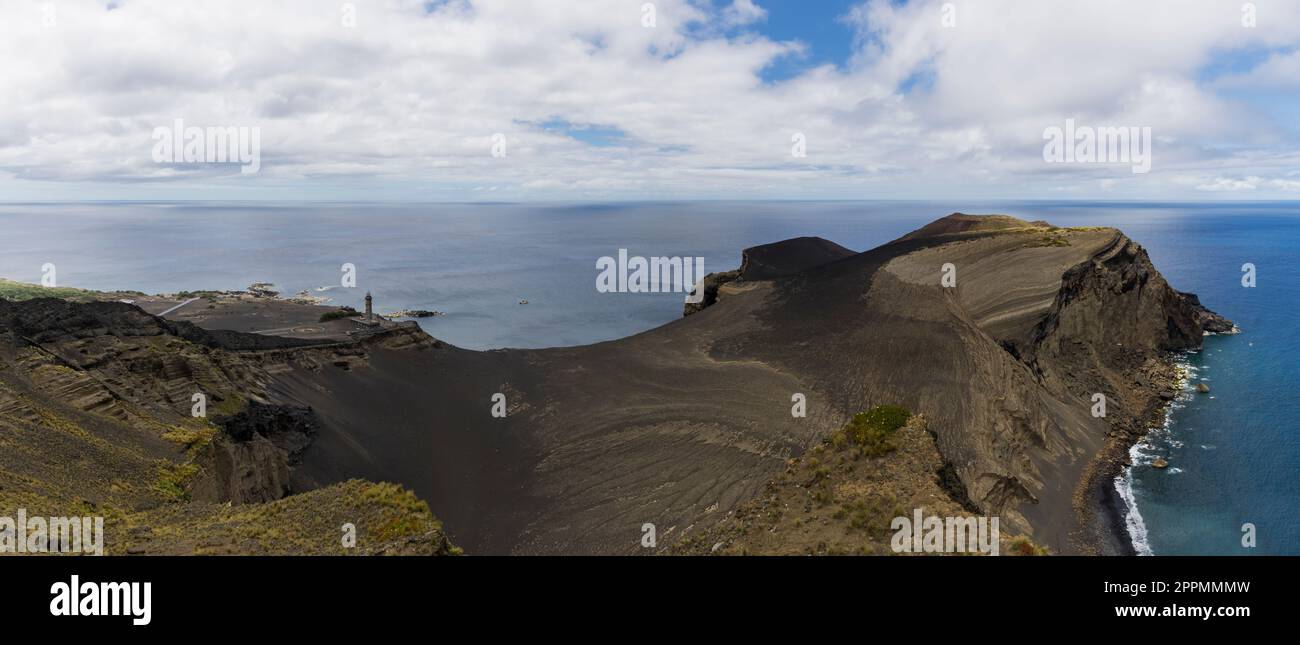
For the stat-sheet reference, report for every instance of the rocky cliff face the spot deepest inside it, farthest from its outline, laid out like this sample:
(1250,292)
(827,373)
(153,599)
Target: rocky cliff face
(1080,313)
(1109,332)
(254,459)
(96,416)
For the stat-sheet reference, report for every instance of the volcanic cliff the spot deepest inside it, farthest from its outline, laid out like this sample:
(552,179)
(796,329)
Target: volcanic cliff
(678,426)
(686,427)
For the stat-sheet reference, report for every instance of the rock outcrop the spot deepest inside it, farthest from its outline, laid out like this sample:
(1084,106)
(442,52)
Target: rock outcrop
(1210,321)
(769,262)
(97,416)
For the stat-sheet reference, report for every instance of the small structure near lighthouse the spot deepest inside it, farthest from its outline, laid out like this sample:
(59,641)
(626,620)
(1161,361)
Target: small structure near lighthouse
(368,318)
(371,323)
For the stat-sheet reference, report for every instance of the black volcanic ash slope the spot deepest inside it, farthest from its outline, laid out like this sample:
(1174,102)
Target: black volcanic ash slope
(680,425)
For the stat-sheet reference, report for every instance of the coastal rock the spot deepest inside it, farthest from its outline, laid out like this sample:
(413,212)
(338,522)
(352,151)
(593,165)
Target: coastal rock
(263,290)
(1159,462)
(712,283)
(1209,321)
(769,262)
(413,313)
(305,297)
(1203,388)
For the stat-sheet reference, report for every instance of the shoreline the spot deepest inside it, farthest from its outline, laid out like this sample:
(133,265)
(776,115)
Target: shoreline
(1128,507)
(1105,512)
(1116,460)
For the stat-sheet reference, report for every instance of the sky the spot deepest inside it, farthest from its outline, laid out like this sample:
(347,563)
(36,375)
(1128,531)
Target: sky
(605,100)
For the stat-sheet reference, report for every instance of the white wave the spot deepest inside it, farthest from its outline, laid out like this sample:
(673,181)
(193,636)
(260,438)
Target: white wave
(1138,455)
(1137,529)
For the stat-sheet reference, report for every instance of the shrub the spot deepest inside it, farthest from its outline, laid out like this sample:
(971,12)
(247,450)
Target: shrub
(208,295)
(1025,546)
(190,437)
(872,431)
(173,480)
(345,312)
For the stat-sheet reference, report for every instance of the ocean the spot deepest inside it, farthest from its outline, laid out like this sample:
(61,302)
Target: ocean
(1234,453)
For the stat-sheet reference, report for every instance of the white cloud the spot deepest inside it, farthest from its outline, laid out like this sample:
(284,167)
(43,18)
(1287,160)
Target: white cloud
(1280,70)
(742,12)
(409,99)
(1231,185)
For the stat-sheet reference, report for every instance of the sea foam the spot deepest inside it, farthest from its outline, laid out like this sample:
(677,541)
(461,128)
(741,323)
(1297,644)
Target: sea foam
(1137,529)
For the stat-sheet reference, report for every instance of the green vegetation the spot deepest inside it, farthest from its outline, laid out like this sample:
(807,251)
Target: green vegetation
(190,438)
(208,294)
(872,431)
(1052,240)
(412,516)
(225,404)
(173,480)
(10,290)
(345,312)
(388,520)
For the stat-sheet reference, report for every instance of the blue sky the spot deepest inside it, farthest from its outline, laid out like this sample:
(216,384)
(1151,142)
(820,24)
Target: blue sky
(573,100)
(818,24)
(1282,104)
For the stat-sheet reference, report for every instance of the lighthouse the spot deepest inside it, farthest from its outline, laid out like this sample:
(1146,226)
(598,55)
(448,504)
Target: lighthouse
(370,313)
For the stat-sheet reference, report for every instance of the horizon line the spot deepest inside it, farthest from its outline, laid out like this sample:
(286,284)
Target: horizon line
(650,201)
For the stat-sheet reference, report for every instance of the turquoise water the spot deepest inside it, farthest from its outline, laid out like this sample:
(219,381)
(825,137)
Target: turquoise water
(1234,454)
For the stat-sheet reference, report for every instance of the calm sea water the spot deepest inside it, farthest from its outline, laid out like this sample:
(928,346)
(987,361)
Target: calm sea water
(1234,453)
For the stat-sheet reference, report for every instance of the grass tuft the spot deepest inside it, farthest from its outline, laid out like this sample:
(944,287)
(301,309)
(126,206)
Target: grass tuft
(872,431)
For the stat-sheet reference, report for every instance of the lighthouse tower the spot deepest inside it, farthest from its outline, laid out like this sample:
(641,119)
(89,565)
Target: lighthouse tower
(370,313)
